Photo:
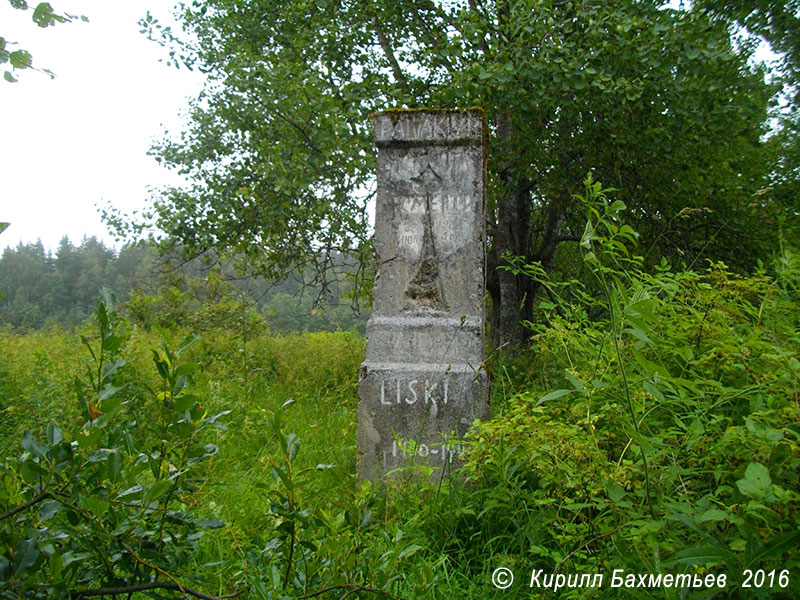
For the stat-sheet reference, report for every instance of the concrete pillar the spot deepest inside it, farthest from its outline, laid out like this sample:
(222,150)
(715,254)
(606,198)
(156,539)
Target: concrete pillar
(423,383)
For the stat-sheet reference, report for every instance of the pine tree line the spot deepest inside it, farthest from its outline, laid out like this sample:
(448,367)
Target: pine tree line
(44,288)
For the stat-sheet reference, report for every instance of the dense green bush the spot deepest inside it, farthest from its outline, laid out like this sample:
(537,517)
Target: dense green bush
(104,503)
(657,426)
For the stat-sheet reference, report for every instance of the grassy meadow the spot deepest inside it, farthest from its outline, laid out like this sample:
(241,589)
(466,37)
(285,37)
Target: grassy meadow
(318,371)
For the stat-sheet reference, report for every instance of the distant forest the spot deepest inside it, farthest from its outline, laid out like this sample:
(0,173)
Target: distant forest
(42,289)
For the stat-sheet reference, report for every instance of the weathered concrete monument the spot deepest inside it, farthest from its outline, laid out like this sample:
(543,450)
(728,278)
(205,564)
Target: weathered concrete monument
(422,383)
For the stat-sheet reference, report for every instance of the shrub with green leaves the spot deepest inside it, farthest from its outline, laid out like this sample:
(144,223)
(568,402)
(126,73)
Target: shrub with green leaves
(653,426)
(104,508)
(656,427)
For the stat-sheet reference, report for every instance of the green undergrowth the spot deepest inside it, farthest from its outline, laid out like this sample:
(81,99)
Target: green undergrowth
(652,427)
(314,373)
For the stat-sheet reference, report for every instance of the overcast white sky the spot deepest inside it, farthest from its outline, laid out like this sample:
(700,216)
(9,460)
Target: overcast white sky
(72,143)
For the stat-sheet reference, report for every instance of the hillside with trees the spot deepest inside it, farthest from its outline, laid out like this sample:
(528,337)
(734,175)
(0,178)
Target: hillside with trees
(43,289)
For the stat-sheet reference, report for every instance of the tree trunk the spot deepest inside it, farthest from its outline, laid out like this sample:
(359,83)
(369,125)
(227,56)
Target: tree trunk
(511,302)
(546,252)
(511,295)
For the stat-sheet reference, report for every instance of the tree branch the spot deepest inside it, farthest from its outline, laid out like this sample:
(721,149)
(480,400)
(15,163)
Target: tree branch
(286,119)
(27,505)
(443,61)
(387,50)
(142,587)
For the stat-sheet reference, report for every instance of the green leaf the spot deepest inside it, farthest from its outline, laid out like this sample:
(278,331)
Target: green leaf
(53,434)
(639,334)
(616,492)
(108,299)
(158,489)
(99,455)
(43,15)
(123,528)
(96,505)
(756,483)
(25,556)
(111,368)
(213,420)
(702,555)
(180,383)
(32,473)
(552,396)
(114,467)
(9,77)
(776,547)
(88,438)
(56,565)
(616,206)
(48,509)
(185,402)
(30,444)
(186,369)
(293,446)
(409,550)
(107,391)
(762,431)
(20,59)
(5,568)
(281,475)
(576,383)
(588,235)
(70,557)
(713,514)
(136,490)
(112,343)
(188,342)
(210,524)
(649,387)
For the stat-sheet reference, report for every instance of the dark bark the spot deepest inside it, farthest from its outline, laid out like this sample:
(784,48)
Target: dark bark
(27,505)
(511,302)
(551,237)
(511,295)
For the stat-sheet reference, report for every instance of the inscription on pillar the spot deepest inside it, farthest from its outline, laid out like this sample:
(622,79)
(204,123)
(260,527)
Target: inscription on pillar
(422,383)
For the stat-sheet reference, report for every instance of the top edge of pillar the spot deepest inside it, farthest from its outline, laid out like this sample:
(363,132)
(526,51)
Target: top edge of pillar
(430,127)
